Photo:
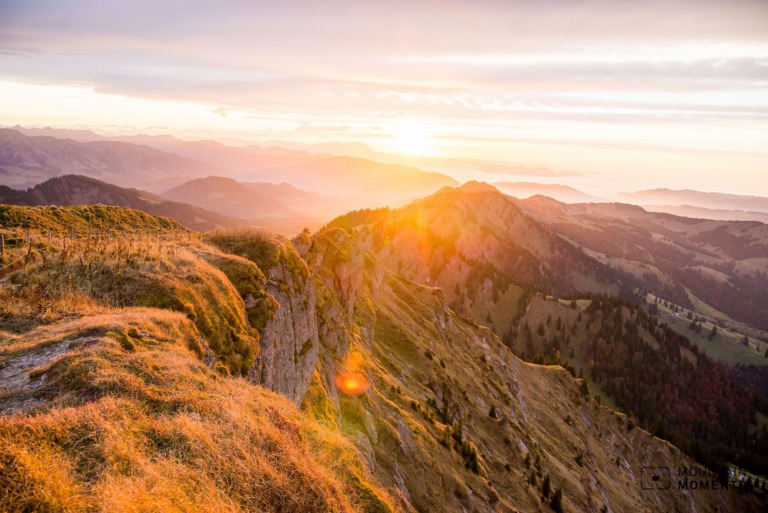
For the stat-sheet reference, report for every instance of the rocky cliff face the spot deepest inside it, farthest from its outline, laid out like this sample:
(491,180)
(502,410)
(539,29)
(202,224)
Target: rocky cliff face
(289,341)
(280,303)
(346,280)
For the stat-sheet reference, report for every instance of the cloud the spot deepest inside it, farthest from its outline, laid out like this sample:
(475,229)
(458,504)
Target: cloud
(315,128)
(292,54)
(484,70)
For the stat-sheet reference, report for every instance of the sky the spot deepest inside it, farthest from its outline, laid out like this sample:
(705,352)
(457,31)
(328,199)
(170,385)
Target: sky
(626,94)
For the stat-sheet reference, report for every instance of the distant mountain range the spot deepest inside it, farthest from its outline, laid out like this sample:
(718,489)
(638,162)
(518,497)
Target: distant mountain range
(206,151)
(716,214)
(263,211)
(27,161)
(563,193)
(294,183)
(81,190)
(228,197)
(709,200)
(160,163)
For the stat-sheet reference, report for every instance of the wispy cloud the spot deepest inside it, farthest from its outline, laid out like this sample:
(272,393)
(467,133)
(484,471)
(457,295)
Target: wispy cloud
(473,71)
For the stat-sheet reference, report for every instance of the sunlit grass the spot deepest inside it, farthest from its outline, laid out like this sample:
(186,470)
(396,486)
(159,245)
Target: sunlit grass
(119,408)
(154,429)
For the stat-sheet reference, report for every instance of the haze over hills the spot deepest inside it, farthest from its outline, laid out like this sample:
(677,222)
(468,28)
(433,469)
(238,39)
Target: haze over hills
(716,200)
(176,355)
(226,196)
(563,193)
(707,205)
(27,161)
(364,178)
(207,151)
(281,208)
(301,165)
(350,182)
(715,214)
(72,190)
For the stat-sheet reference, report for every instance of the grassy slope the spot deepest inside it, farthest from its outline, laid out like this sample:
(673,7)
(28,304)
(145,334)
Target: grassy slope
(151,428)
(725,346)
(61,219)
(431,371)
(105,343)
(162,271)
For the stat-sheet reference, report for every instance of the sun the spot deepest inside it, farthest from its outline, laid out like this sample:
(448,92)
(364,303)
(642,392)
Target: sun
(414,138)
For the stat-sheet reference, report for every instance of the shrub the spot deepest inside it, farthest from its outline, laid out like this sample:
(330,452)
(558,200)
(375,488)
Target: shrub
(545,486)
(557,501)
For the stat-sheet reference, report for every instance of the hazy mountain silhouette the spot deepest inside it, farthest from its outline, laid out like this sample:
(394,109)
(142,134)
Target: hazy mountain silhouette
(712,200)
(228,197)
(559,192)
(26,161)
(131,161)
(81,190)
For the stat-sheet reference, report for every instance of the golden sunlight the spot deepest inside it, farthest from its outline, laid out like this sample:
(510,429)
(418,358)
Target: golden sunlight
(414,138)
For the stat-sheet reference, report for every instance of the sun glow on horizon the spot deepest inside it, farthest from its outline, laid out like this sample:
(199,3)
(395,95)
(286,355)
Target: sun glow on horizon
(414,138)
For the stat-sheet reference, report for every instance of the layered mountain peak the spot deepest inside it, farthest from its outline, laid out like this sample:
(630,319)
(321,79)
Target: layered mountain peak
(227,196)
(474,186)
(70,190)
(26,161)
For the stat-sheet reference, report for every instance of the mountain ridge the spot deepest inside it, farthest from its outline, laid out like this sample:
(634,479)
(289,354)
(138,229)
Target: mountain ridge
(228,197)
(439,392)
(161,163)
(26,161)
(69,190)
(717,200)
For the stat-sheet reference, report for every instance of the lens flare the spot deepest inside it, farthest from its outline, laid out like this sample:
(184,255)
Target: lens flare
(351,380)
(351,383)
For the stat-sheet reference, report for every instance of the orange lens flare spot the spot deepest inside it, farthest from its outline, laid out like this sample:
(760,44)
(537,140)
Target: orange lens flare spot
(351,383)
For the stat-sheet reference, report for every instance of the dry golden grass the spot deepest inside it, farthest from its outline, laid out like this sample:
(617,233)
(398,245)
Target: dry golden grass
(169,271)
(110,406)
(150,428)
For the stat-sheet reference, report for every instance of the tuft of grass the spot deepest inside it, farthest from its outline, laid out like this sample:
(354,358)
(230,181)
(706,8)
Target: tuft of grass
(265,250)
(258,246)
